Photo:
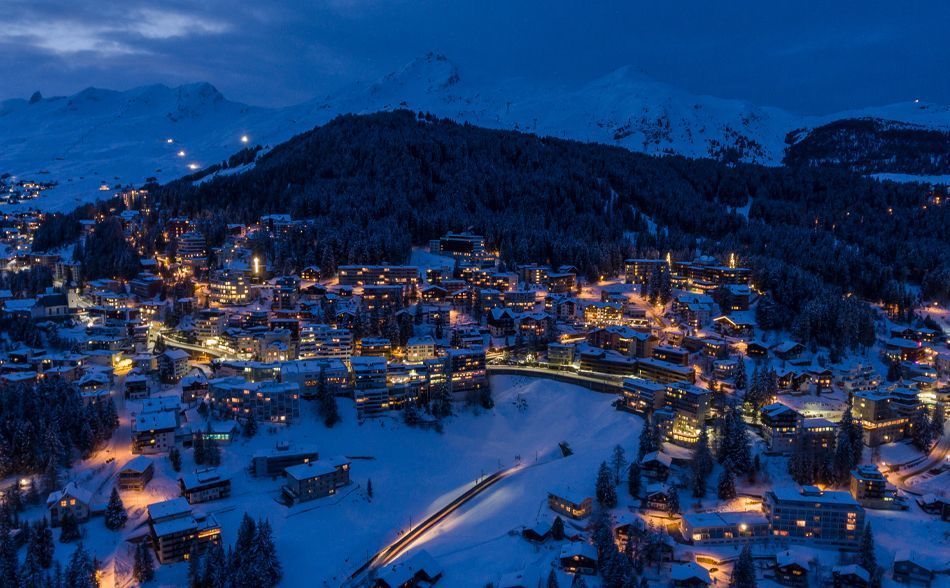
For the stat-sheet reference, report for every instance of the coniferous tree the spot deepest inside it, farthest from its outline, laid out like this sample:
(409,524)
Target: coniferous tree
(115,516)
(195,579)
(604,489)
(552,580)
(327,408)
(633,480)
(369,488)
(726,489)
(618,463)
(212,453)
(8,558)
(557,529)
(216,572)
(268,568)
(174,456)
(143,568)
(673,502)
(868,558)
(250,425)
(81,570)
(743,574)
(41,543)
(740,378)
(68,527)
(649,438)
(702,464)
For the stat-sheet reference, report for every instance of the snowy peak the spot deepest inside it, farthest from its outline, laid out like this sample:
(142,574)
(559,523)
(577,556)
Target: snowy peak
(104,136)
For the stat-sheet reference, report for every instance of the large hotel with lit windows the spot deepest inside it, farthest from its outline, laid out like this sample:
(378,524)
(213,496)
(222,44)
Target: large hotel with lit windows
(379,275)
(812,515)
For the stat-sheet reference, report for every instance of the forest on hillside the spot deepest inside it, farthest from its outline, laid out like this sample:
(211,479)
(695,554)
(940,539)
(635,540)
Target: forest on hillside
(374,185)
(871,146)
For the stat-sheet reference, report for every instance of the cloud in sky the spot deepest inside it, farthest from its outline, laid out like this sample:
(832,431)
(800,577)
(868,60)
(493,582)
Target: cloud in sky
(806,56)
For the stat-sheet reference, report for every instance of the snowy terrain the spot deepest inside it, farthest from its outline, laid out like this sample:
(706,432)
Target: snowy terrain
(98,136)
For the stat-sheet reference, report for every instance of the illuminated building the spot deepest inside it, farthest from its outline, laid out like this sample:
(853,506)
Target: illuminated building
(812,515)
(316,479)
(176,532)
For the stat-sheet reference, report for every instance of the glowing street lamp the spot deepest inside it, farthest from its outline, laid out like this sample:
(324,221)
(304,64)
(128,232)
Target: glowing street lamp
(245,139)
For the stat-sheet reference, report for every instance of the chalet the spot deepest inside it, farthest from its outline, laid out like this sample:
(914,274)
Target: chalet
(781,427)
(791,569)
(193,387)
(737,324)
(756,350)
(136,474)
(538,533)
(420,570)
(850,576)
(897,349)
(910,568)
(72,499)
(175,530)
(316,479)
(204,485)
(578,557)
(569,502)
(788,350)
(501,322)
(656,466)
(136,386)
(657,497)
(689,575)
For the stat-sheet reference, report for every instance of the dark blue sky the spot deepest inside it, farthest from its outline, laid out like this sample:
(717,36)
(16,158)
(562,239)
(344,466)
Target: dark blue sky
(804,56)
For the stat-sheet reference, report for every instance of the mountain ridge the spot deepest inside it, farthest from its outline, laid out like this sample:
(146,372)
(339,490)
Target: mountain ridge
(106,137)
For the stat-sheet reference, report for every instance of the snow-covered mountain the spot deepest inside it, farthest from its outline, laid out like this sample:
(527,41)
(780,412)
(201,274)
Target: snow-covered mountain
(107,137)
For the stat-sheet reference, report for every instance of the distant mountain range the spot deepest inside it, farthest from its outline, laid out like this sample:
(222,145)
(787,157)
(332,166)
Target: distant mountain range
(98,137)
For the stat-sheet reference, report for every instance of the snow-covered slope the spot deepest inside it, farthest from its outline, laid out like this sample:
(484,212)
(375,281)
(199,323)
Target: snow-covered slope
(102,136)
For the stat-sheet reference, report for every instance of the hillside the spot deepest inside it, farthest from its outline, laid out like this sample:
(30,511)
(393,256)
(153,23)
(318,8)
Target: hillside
(872,146)
(102,136)
(376,184)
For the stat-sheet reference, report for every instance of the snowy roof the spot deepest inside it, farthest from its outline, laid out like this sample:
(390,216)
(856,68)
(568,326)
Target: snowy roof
(791,556)
(176,354)
(579,548)
(167,509)
(814,495)
(312,469)
(723,519)
(687,571)
(400,573)
(202,477)
(852,569)
(137,464)
(72,490)
(658,456)
(569,493)
(154,421)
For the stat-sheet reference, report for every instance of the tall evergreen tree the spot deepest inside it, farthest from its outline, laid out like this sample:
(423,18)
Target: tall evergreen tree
(266,563)
(726,489)
(649,438)
(743,574)
(115,515)
(69,527)
(143,568)
(81,570)
(174,456)
(604,488)
(633,480)
(618,463)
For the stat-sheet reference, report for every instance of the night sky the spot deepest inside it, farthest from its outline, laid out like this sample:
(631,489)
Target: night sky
(804,56)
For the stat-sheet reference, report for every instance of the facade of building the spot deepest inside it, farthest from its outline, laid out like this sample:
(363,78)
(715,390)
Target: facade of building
(316,479)
(812,515)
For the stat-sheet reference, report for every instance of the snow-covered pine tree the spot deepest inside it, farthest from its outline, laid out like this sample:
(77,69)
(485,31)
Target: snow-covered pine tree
(68,527)
(143,568)
(618,463)
(633,480)
(604,489)
(115,516)
(80,571)
(726,489)
(743,574)
(174,456)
